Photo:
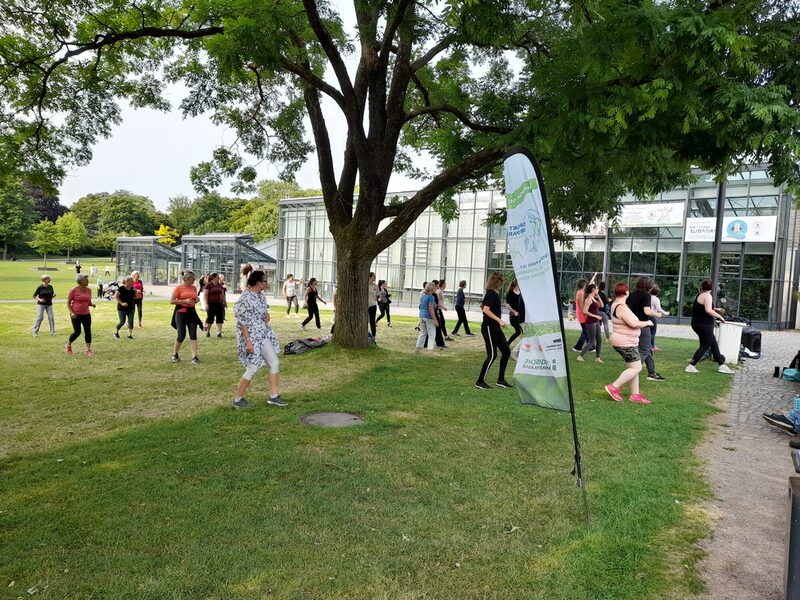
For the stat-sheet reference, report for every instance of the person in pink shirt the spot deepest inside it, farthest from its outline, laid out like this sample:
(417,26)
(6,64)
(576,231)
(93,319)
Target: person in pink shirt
(580,316)
(79,301)
(138,286)
(625,340)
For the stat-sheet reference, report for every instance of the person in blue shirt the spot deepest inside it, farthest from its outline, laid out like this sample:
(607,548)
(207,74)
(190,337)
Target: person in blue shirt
(427,315)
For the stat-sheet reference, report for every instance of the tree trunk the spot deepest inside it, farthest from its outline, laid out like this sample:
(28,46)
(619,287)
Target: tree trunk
(67,255)
(352,319)
(45,260)
(5,249)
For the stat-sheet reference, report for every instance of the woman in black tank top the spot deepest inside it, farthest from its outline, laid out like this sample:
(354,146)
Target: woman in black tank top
(703,316)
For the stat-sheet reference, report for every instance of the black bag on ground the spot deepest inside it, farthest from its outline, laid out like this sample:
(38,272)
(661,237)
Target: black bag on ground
(300,346)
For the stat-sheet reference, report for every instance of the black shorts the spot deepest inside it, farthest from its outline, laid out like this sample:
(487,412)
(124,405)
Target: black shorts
(215,312)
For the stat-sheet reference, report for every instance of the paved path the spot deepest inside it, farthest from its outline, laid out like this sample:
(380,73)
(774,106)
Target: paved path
(748,465)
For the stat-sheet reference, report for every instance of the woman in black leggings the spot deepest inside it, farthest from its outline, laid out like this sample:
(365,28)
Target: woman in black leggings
(311,303)
(703,316)
(492,332)
(516,309)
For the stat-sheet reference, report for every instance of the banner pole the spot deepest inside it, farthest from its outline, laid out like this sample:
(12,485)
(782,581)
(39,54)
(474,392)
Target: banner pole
(578,469)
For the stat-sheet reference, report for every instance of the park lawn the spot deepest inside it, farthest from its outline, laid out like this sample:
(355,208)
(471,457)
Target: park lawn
(127,476)
(20,278)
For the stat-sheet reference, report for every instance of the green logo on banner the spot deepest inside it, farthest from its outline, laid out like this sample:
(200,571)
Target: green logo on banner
(516,197)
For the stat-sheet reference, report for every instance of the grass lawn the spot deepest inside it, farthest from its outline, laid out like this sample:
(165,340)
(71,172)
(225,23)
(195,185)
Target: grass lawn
(127,476)
(19,279)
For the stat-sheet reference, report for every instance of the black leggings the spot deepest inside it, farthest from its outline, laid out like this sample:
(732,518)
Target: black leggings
(462,320)
(384,312)
(514,321)
(495,340)
(182,324)
(86,322)
(313,313)
(707,340)
(138,303)
(373,310)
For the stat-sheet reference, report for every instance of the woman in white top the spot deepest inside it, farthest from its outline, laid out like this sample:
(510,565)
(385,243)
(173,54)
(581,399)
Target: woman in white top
(290,293)
(655,306)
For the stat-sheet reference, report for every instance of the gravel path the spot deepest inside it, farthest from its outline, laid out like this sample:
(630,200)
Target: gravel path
(748,465)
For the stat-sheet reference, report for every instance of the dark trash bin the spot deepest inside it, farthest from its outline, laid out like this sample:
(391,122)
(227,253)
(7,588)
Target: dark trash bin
(751,339)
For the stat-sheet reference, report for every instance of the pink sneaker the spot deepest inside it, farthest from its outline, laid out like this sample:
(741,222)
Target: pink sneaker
(89,353)
(68,348)
(614,392)
(639,399)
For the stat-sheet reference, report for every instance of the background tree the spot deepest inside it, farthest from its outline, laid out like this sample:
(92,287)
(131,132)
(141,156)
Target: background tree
(17,213)
(611,95)
(88,209)
(71,233)
(45,238)
(169,235)
(46,201)
(212,211)
(182,213)
(259,216)
(125,211)
(107,240)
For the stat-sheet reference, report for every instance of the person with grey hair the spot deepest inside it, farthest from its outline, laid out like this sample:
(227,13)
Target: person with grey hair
(126,305)
(44,295)
(427,315)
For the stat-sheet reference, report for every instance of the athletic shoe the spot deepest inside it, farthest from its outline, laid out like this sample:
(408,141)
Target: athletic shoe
(725,369)
(116,335)
(780,421)
(176,358)
(416,328)
(195,360)
(691,369)
(576,349)
(53,334)
(639,399)
(794,444)
(89,353)
(130,337)
(303,327)
(469,334)
(277,401)
(580,358)
(455,334)
(219,335)
(68,348)
(655,377)
(482,385)
(598,360)
(613,392)
(448,339)
(388,324)
(140,325)
(242,403)
(504,384)
(35,334)
(208,334)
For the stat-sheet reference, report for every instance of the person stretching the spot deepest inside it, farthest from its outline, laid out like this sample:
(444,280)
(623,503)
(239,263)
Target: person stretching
(310,300)
(625,341)
(492,331)
(126,305)
(78,302)
(257,345)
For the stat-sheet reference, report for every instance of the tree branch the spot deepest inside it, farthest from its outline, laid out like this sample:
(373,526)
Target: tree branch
(423,60)
(331,51)
(308,76)
(460,115)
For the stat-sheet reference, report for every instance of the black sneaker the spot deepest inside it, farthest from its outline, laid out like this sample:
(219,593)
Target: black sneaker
(195,361)
(116,335)
(504,384)
(655,377)
(130,337)
(208,334)
(780,421)
(242,403)
(482,385)
(176,358)
(219,335)
(277,401)
(794,444)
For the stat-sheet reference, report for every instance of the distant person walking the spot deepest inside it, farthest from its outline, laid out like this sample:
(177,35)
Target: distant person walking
(216,302)
(384,300)
(184,298)
(77,267)
(290,293)
(257,344)
(100,284)
(516,309)
(640,302)
(625,341)
(92,271)
(310,300)
(703,316)
(79,301)
(138,287)
(44,295)
(460,310)
(372,303)
(581,318)
(492,331)
(592,311)
(427,316)
(126,305)
(107,272)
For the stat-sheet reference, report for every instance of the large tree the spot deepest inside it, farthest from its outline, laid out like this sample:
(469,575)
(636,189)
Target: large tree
(71,232)
(612,95)
(17,213)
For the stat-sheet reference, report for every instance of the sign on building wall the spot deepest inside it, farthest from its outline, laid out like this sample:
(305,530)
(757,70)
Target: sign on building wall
(668,214)
(734,229)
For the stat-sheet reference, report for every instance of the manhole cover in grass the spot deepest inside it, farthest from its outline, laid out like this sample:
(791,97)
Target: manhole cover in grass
(331,419)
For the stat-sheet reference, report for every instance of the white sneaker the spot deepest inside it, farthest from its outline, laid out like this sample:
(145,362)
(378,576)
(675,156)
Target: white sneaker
(725,369)
(691,369)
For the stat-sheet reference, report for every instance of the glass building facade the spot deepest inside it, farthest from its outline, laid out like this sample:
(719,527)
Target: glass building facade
(668,237)
(146,255)
(225,253)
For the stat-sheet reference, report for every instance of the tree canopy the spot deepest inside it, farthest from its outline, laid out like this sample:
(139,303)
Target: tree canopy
(45,239)
(611,95)
(71,232)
